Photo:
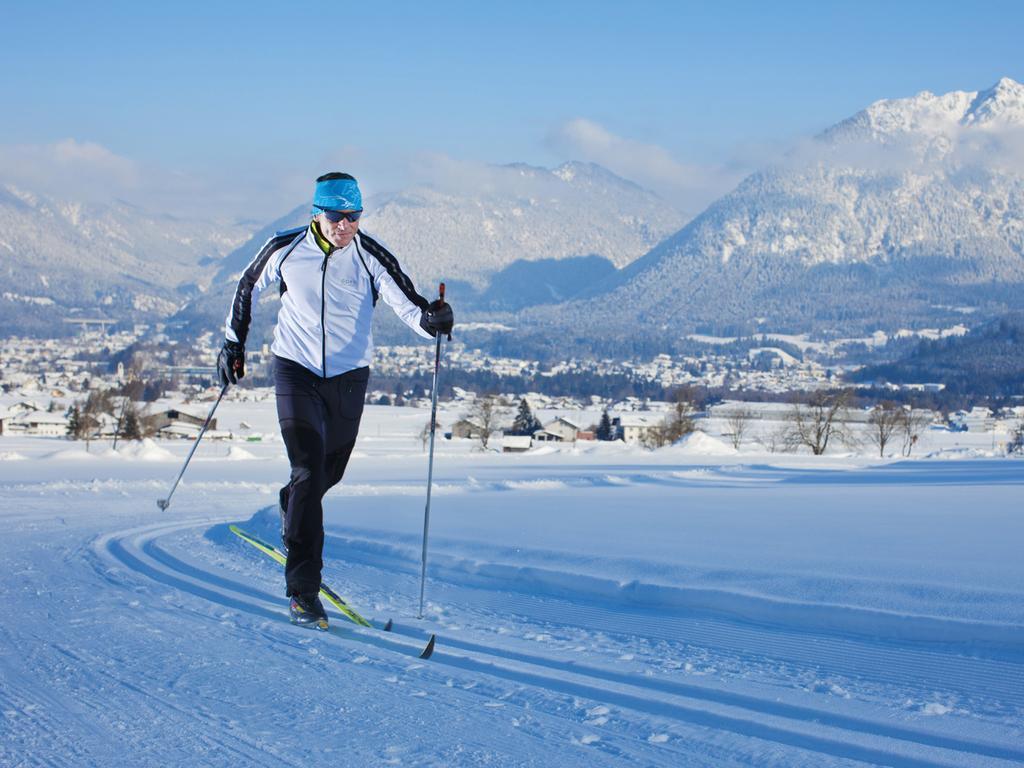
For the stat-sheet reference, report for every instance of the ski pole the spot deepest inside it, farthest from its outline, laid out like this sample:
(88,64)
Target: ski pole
(430,462)
(165,503)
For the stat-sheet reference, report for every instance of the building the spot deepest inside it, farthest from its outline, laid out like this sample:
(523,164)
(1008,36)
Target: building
(560,431)
(516,443)
(635,427)
(465,428)
(43,424)
(27,418)
(178,418)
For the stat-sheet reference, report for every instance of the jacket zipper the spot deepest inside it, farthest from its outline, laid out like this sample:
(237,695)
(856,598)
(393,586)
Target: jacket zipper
(323,312)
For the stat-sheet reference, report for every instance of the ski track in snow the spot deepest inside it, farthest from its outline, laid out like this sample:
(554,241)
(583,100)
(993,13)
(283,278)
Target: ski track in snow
(168,641)
(838,736)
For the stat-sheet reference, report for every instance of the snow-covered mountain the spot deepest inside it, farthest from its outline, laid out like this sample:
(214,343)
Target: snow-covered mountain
(903,212)
(62,259)
(502,237)
(517,213)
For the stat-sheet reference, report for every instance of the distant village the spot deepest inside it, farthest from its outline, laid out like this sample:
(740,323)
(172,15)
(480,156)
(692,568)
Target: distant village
(46,384)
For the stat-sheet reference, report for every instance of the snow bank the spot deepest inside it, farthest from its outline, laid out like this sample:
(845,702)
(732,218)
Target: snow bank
(534,485)
(963,453)
(562,575)
(11,456)
(701,444)
(236,453)
(545,450)
(147,450)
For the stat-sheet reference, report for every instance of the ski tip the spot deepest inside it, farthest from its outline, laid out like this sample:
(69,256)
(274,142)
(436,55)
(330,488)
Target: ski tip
(429,650)
(389,625)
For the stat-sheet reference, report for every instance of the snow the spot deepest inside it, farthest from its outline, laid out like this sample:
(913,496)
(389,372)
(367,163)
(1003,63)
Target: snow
(699,443)
(71,454)
(595,605)
(237,453)
(147,450)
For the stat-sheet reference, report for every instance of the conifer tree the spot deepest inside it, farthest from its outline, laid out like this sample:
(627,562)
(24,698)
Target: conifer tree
(131,429)
(74,421)
(525,423)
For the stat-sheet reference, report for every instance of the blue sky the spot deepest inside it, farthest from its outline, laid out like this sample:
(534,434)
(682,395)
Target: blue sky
(265,95)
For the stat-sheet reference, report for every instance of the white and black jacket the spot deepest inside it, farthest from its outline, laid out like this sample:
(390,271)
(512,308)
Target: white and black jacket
(327,298)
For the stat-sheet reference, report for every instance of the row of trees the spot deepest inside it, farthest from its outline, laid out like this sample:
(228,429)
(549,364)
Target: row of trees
(823,419)
(85,417)
(815,422)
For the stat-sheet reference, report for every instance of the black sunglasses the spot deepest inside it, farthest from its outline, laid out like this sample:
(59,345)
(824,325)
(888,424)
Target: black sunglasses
(335,216)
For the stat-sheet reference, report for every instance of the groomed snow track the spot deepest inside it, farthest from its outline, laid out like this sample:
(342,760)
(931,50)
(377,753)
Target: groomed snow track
(628,713)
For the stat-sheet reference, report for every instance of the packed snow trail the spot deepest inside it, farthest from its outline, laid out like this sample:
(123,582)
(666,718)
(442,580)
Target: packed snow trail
(839,736)
(163,637)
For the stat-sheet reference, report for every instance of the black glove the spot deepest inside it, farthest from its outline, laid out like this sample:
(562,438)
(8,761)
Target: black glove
(231,363)
(438,318)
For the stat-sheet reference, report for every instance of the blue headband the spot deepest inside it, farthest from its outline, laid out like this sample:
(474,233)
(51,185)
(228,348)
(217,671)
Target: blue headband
(337,195)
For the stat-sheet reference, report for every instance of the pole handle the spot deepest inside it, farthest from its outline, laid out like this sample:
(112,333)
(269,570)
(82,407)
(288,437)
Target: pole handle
(440,291)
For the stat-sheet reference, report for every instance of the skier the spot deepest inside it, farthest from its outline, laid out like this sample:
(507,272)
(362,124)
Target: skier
(331,275)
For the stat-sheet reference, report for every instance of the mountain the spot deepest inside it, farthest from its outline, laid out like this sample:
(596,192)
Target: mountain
(520,213)
(910,211)
(987,361)
(505,237)
(65,259)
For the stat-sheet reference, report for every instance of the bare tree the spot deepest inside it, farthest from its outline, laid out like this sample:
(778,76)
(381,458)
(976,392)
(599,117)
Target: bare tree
(680,419)
(912,424)
(885,422)
(486,413)
(677,424)
(819,421)
(425,432)
(738,422)
(777,440)
(121,420)
(87,415)
(655,437)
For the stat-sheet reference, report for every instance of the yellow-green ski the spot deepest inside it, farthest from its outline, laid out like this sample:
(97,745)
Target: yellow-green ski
(328,594)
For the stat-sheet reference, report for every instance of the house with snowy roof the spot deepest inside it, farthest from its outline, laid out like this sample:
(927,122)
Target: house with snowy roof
(43,423)
(635,427)
(559,431)
(179,420)
(516,443)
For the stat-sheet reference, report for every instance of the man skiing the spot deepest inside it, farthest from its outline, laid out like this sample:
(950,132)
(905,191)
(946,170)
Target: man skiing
(331,276)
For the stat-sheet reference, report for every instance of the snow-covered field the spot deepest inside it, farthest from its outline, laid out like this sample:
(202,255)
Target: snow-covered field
(594,606)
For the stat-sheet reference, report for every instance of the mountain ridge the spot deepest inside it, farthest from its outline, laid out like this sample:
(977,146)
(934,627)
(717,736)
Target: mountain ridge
(878,219)
(114,260)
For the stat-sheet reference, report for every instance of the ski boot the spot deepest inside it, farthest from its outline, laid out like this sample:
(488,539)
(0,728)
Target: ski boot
(308,611)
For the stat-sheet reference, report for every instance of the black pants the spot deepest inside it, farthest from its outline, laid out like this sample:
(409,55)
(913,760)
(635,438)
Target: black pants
(319,421)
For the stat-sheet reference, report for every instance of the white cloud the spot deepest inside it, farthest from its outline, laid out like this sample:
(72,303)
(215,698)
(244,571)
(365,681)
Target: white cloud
(652,166)
(68,169)
(387,173)
(84,171)
(953,148)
